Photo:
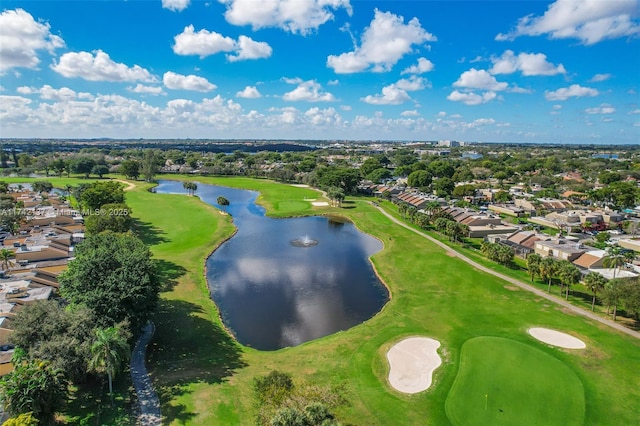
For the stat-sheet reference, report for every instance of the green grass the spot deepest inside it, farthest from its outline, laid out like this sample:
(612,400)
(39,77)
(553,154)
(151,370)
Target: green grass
(504,382)
(204,377)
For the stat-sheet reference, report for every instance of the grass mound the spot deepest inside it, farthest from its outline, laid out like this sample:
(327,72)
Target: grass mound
(504,382)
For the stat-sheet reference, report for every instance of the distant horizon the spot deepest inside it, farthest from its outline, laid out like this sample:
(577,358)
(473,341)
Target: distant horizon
(302,140)
(542,72)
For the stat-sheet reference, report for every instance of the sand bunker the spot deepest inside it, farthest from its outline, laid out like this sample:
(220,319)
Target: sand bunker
(320,203)
(412,362)
(557,338)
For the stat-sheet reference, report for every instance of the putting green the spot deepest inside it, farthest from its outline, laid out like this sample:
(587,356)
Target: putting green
(504,382)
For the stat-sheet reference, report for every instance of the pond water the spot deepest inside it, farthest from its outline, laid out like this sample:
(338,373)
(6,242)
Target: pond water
(283,282)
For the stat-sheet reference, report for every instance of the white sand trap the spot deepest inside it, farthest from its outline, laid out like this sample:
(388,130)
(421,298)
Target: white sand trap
(557,338)
(412,362)
(320,203)
(300,185)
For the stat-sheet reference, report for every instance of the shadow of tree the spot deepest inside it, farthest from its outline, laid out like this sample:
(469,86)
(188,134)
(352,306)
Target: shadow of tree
(189,347)
(149,234)
(169,273)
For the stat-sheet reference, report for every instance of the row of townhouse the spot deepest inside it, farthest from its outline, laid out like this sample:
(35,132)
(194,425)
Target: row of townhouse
(42,247)
(480,224)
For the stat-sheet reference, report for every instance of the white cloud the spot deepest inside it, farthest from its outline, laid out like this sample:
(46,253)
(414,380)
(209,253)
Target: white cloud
(602,109)
(99,68)
(346,107)
(64,94)
(383,43)
(471,98)
(564,93)
(202,43)
(396,93)
(176,5)
(21,37)
(250,49)
(249,92)
(557,107)
(175,81)
(635,111)
(481,122)
(296,16)
(148,90)
(410,113)
(589,21)
(529,64)
(309,91)
(423,65)
(600,77)
(479,79)
(333,82)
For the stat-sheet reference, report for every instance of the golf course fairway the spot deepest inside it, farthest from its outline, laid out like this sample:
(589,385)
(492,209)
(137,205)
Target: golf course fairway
(504,382)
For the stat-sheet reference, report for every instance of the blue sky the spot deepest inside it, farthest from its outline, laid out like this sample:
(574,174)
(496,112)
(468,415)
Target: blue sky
(489,71)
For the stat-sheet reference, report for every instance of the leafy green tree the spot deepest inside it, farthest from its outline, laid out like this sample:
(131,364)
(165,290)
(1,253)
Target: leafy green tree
(100,170)
(114,276)
(502,197)
(110,217)
(48,331)
(149,166)
(130,169)
(379,175)
(222,201)
(595,283)
(369,165)
(441,169)
(83,165)
(35,387)
(464,191)
(341,177)
(612,295)
(97,194)
(419,179)
(533,265)
(42,186)
(607,178)
(444,186)
(109,352)
(631,297)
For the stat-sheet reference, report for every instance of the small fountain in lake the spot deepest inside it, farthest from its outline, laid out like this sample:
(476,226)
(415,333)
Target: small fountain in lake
(304,241)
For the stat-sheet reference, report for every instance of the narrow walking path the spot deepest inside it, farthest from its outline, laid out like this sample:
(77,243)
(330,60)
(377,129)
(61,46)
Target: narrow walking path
(518,283)
(149,404)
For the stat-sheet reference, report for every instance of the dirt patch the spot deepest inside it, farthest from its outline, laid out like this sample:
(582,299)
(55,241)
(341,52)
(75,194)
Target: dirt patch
(512,288)
(451,254)
(128,185)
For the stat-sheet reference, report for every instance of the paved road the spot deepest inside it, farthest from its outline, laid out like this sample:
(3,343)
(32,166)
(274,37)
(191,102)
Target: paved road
(149,404)
(519,283)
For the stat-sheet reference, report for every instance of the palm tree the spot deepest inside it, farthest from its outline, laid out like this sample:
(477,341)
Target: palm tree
(594,282)
(614,259)
(5,257)
(108,352)
(569,275)
(533,264)
(548,268)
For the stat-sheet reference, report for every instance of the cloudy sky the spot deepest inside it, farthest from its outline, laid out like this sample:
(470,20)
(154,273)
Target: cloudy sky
(526,71)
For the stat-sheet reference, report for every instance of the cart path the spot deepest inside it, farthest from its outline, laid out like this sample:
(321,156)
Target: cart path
(518,283)
(149,404)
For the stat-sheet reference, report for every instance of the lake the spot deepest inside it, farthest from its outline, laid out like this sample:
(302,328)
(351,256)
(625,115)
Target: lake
(272,290)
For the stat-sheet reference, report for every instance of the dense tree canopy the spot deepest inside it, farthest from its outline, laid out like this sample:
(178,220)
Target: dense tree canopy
(114,276)
(110,217)
(48,331)
(98,194)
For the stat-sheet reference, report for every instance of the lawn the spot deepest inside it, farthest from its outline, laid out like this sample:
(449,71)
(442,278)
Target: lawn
(204,377)
(504,382)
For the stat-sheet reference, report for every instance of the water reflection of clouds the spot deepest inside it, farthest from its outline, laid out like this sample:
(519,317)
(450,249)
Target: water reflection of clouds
(266,272)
